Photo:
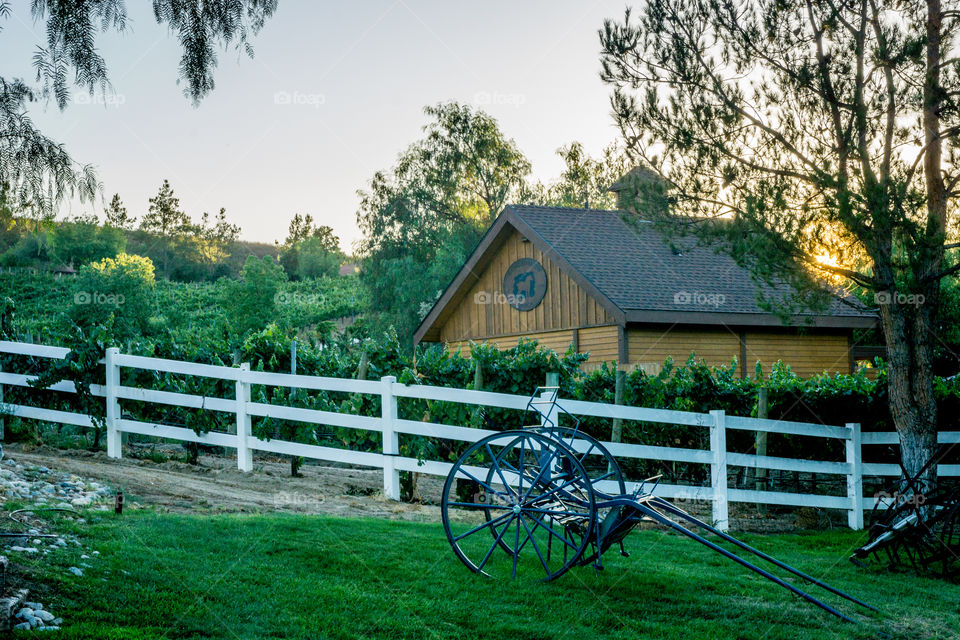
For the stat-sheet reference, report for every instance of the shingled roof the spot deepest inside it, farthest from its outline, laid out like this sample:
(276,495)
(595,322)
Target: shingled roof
(638,275)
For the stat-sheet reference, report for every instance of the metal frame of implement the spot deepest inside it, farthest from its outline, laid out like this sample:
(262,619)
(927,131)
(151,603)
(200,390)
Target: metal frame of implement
(916,523)
(560,494)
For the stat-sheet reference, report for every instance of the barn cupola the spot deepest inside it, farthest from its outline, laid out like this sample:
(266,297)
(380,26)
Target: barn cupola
(641,191)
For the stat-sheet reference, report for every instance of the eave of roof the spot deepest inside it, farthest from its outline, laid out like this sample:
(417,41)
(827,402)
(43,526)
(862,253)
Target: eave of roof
(512,217)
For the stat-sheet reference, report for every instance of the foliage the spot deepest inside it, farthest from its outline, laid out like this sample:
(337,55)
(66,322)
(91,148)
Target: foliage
(82,241)
(585,181)
(432,207)
(166,222)
(117,292)
(309,250)
(39,172)
(253,300)
(117,216)
(811,141)
(81,366)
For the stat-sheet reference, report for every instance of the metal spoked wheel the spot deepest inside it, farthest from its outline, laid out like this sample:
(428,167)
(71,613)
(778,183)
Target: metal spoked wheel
(601,467)
(534,501)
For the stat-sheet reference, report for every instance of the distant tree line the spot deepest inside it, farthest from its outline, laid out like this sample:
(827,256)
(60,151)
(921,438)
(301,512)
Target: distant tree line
(180,247)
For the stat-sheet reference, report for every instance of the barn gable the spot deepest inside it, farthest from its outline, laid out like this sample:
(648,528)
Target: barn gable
(478,304)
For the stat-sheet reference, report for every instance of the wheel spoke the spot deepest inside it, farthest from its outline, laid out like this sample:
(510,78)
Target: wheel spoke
(516,546)
(488,523)
(496,465)
(548,512)
(535,546)
(543,496)
(482,483)
(543,468)
(495,543)
(550,529)
(479,505)
(523,449)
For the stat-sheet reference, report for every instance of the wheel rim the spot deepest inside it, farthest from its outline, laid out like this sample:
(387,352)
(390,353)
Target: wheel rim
(534,498)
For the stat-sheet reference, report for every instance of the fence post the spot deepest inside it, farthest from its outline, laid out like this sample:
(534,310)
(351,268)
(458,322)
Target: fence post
(718,470)
(244,456)
(391,441)
(114,444)
(3,427)
(550,418)
(855,477)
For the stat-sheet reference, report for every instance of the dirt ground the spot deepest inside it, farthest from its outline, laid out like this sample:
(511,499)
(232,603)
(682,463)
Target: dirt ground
(214,485)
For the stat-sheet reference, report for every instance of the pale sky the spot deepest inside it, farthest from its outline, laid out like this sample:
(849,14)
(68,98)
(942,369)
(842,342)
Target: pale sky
(335,92)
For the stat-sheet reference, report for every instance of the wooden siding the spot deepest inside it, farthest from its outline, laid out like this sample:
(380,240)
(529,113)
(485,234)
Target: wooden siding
(807,355)
(648,348)
(600,342)
(564,306)
(559,341)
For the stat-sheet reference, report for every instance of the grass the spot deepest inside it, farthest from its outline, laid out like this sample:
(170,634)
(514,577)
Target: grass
(289,576)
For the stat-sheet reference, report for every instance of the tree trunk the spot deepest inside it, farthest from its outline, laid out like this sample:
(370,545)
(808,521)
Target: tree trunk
(910,383)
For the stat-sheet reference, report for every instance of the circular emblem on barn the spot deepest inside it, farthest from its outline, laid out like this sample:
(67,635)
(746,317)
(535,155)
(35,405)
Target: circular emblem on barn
(525,284)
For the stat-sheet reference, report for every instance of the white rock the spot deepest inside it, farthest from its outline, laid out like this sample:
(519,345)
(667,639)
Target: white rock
(37,606)
(25,612)
(46,616)
(22,625)
(75,571)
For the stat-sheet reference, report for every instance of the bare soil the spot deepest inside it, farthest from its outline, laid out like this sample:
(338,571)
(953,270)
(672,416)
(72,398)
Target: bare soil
(215,485)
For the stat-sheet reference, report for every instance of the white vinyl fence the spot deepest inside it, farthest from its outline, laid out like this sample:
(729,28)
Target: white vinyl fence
(390,426)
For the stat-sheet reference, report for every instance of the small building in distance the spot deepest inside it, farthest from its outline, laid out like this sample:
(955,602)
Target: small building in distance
(624,294)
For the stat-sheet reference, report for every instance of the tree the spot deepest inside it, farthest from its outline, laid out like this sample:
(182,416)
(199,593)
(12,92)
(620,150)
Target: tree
(813,140)
(252,302)
(117,293)
(310,250)
(432,207)
(81,241)
(316,259)
(116,215)
(38,171)
(167,222)
(585,182)
(211,240)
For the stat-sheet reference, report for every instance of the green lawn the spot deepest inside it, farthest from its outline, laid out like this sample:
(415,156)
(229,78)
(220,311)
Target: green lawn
(286,576)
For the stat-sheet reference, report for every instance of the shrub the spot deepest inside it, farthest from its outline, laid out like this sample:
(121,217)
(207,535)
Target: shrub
(116,292)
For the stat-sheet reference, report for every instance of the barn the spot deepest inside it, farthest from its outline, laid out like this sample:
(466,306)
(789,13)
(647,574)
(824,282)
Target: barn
(621,292)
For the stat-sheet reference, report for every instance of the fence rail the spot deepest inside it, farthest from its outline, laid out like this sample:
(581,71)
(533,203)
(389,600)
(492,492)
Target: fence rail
(391,393)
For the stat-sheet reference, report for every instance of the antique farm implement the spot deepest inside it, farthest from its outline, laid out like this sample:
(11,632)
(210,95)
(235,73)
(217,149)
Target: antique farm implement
(543,499)
(916,523)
